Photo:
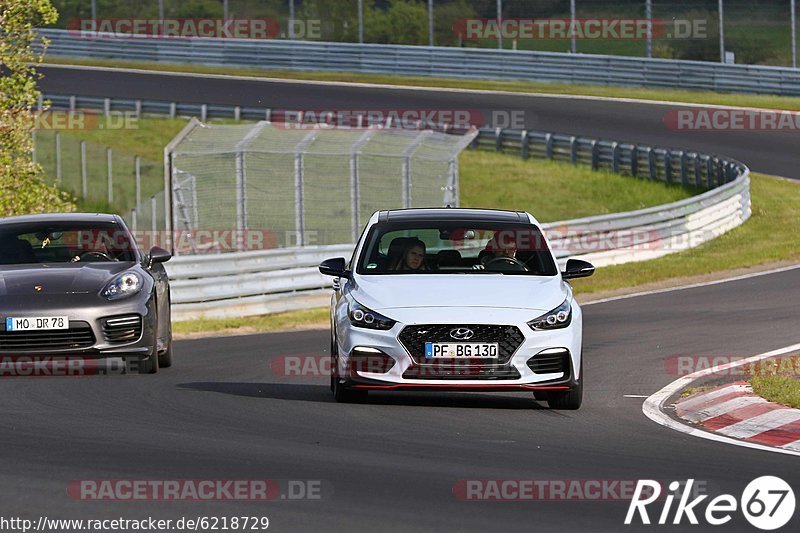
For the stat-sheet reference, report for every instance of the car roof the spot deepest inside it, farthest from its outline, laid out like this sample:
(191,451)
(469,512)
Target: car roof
(456,214)
(60,218)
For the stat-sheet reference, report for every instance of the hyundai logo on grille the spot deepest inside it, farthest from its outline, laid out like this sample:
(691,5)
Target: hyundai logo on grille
(462,334)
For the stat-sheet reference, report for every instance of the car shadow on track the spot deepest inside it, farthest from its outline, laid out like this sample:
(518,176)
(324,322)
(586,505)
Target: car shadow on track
(322,393)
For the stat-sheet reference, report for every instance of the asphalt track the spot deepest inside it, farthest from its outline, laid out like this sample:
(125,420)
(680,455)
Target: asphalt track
(769,152)
(222,412)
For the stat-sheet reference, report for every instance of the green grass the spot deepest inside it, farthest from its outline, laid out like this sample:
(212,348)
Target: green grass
(781,383)
(699,97)
(769,236)
(555,191)
(290,320)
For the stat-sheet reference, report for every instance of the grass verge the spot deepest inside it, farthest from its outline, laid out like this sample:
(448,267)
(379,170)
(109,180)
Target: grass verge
(698,97)
(779,382)
(290,320)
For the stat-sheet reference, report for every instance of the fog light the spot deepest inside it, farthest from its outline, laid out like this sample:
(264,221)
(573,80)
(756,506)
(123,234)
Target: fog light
(364,359)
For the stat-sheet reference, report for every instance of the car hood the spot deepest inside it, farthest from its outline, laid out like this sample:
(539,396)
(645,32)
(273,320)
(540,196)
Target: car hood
(21,280)
(461,290)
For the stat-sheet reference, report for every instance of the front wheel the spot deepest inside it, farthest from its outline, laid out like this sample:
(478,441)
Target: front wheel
(341,393)
(569,400)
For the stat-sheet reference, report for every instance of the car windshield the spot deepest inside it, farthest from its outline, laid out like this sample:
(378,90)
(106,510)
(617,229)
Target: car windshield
(64,242)
(456,248)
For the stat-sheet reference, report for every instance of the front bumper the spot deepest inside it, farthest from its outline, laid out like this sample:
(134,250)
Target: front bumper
(515,374)
(80,309)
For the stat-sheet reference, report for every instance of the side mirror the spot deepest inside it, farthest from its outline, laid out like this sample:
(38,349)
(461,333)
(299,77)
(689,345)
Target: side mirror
(159,255)
(577,268)
(336,267)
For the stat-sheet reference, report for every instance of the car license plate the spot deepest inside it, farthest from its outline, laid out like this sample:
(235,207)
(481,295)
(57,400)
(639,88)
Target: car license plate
(461,349)
(34,323)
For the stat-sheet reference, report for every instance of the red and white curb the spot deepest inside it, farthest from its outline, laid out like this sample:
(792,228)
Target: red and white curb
(735,411)
(654,408)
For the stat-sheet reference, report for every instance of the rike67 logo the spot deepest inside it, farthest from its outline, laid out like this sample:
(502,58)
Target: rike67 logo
(767,502)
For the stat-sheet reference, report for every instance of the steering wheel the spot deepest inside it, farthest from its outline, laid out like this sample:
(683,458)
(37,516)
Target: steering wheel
(504,262)
(100,255)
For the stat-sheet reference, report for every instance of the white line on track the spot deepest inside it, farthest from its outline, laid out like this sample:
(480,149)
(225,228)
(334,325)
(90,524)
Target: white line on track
(415,88)
(652,406)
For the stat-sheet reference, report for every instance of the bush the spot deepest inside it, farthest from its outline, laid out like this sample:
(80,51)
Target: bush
(22,186)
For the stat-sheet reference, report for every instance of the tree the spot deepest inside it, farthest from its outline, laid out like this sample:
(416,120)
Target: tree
(22,186)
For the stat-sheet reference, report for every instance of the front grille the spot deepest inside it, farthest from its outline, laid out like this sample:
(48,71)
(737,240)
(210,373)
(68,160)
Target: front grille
(509,338)
(460,372)
(550,363)
(122,329)
(79,335)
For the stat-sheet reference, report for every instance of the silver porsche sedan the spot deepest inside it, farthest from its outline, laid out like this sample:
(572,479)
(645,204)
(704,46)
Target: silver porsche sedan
(77,285)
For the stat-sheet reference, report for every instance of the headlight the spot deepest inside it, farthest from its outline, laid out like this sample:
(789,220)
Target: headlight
(362,317)
(560,317)
(122,286)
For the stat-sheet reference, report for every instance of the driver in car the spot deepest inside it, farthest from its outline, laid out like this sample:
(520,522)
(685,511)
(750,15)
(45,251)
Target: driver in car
(500,245)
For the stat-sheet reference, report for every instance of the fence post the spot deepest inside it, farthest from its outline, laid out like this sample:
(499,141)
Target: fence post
(153,208)
(651,164)
(523,144)
(204,112)
(72,103)
(134,222)
(84,181)
(548,145)
(709,173)
(684,169)
(355,182)
(498,139)
(635,161)
(110,164)
(237,113)
(667,166)
(107,107)
(299,186)
(138,109)
(595,154)
(137,166)
(615,156)
(58,158)
(573,150)
(173,110)
(698,171)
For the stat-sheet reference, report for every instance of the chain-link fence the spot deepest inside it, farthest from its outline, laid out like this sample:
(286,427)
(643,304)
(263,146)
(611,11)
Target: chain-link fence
(275,185)
(98,177)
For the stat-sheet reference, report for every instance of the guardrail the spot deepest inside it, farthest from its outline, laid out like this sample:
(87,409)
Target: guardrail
(251,283)
(480,63)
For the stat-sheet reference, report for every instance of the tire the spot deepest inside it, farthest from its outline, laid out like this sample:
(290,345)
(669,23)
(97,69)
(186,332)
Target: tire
(344,394)
(569,400)
(165,359)
(149,365)
(540,396)
(341,393)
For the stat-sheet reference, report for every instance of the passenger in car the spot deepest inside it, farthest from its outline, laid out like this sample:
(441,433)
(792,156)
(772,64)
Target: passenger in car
(412,257)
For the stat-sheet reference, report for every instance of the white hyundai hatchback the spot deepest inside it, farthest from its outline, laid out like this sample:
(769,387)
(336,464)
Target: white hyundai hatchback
(455,299)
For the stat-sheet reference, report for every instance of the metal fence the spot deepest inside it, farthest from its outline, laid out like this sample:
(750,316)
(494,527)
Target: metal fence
(291,183)
(252,283)
(475,63)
